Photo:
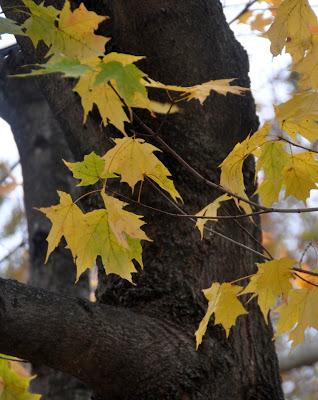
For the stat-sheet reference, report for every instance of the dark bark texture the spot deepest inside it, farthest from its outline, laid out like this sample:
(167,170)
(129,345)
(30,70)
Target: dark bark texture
(139,344)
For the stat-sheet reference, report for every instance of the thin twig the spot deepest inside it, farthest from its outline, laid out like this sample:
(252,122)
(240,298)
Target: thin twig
(9,171)
(209,229)
(10,254)
(194,172)
(304,271)
(304,253)
(297,145)
(243,11)
(305,280)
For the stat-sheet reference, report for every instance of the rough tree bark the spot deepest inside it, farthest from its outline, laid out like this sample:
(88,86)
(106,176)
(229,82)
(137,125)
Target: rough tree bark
(140,344)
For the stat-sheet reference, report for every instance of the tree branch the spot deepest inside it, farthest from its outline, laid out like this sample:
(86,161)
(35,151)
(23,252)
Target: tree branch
(110,349)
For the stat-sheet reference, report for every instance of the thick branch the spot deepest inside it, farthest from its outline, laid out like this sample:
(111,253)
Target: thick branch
(111,349)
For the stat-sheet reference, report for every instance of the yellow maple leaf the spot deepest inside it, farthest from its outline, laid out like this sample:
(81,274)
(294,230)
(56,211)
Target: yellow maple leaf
(112,233)
(123,222)
(299,115)
(271,281)
(272,159)
(231,168)
(300,175)
(109,104)
(202,91)
(67,221)
(291,28)
(307,67)
(75,36)
(210,210)
(298,313)
(97,239)
(225,306)
(133,159)
(13,385)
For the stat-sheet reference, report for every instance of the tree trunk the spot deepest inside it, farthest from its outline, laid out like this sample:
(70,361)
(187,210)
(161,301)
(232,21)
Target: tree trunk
(185,43)
(41,146)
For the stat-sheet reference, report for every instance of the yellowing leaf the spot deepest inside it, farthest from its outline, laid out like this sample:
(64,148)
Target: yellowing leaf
(114,234)
(133,159)
(221,86)
(300,175)
(75,36)
(97,239)
(128,79)
(271,281)
(225,306)
(13,386)
(300,115)
(272,159)
(109,104)
(201,92)
(306,127)
(300,106)
(41,23)
(231,168)
(298,313)
(123,222)
(89,171)
(291,28)
(66,220)
(210,210)
(307,67)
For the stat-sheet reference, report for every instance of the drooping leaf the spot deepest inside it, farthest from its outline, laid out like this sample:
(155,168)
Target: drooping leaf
(67,221)
(231,168)
(123,223)
(112,233)
(297,314)
(272,159)
(128,79)
(201,92)
(98,239)
(90,170)
(307,67)
(225,306)
(134,159)
(299,115)
(14,386)
(210,210)
(271,281)
(108,102)
(291,28)
(300,175)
